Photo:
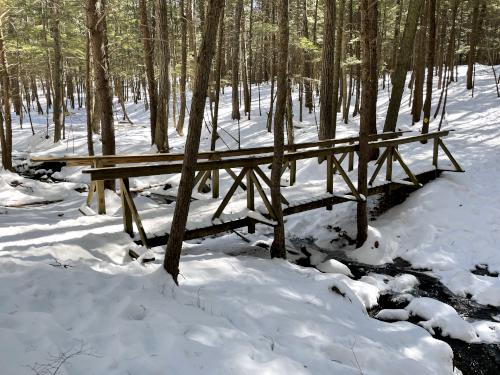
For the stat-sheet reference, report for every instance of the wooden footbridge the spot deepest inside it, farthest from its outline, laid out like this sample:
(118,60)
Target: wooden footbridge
(247,167)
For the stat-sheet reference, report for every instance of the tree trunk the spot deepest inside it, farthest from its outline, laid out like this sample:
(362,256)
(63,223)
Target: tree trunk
(402,65)
(236,59)
(419,65)
(206,54)
(148,62)
(96,23)
(218,73)
(473,37)
(431,54)
(278,249)
(163,53)
(88,96)
(326,122)
(57,72)
(368,86)
(5,134)
(183,78)
(338,57)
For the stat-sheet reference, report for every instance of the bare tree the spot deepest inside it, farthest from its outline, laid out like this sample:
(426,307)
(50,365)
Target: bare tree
(205,57)
(278,246)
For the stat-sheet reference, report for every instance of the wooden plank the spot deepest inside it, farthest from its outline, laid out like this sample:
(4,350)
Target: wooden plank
(165,157)
(380,163)
(435,152)
(215,183)
(203,181)
(234,176)
(229,194)
(450,156)
(101,199)
(250,199)
(267,181)
(110,173)
(90,195)
(406,169)
(351,160)
(346,179)
(329,177)
(263,195)
(137,218)
(390,159)
(410,139)
(126,212)
(344,155)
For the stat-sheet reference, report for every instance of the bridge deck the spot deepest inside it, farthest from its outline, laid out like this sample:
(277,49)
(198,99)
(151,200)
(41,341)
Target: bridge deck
(157,221)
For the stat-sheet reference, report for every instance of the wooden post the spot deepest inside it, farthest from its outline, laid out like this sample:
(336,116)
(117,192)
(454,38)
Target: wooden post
(215,183)
(92,188)
(126,212)
(101,200)
(329,178)
(435,153)
(250,199)
(351,159)
(390,158)
(457,166)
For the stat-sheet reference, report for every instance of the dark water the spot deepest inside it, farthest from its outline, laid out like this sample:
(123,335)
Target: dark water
(471,359)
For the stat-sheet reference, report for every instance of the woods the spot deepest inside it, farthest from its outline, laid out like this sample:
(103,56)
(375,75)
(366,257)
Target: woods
(329,59)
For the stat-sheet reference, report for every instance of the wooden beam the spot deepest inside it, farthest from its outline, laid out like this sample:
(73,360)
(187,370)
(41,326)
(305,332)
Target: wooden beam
(347,179)
(126,212)
(250,198)
(406,169)
(229,194)
(450,156)
(137,218)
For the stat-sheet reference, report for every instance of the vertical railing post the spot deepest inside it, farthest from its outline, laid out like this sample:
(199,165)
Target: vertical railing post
(329,178)
(250,198)
(351,159)
(101,200)
(126,212)
(215,183)
(388,171)
(435,152)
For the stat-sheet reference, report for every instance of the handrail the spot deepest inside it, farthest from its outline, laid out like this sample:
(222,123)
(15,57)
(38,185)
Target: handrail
(247,161)
(209,155)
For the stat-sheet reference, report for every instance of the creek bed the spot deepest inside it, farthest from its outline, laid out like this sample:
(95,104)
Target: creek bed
(471,359)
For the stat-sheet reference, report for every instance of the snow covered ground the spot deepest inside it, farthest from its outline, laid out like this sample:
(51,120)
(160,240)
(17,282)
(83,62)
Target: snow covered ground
(71,296)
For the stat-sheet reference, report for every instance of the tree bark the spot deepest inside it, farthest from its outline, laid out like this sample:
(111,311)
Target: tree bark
(402,65)
(5,134)
(236,60)
(369,79)
(473,37)
(183,78)
(326,122)
(57,72)
(218,73)
(163,53)
(96,23)
(431,54)
(148,62)
(278,249)
(204,63)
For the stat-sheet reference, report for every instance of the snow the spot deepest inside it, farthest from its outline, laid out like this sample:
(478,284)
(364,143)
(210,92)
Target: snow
(393,315)
(334,266)
(67,282)
(440,315)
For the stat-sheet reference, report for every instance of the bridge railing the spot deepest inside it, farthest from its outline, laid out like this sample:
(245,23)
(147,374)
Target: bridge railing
(100,161)
(251,172)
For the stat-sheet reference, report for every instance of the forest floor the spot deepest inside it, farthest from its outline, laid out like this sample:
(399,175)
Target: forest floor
(73,299)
